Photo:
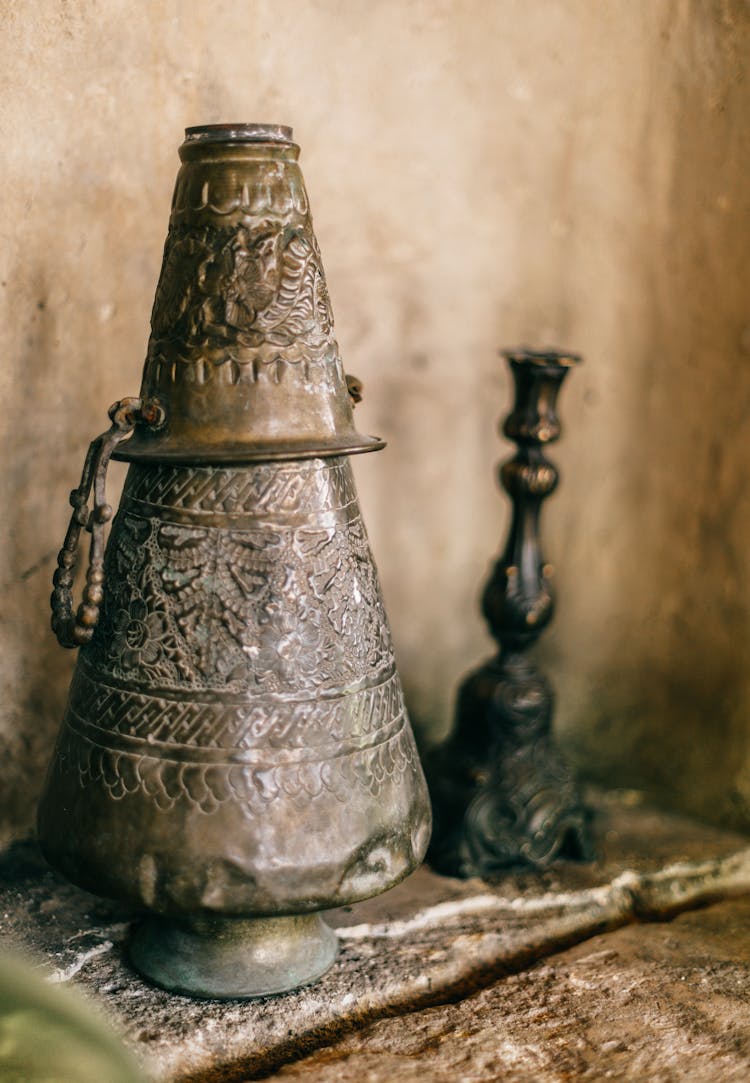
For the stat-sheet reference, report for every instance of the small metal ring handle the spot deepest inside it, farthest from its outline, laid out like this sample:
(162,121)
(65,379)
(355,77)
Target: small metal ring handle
(75,629)
(354,387)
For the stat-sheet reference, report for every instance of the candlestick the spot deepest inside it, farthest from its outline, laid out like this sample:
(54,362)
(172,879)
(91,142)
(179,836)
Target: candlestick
(502,792)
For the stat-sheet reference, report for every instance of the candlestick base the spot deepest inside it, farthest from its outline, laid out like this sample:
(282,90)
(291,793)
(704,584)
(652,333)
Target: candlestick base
(502,793)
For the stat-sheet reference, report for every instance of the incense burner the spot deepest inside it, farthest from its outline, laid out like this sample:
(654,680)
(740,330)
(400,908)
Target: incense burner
(235,755)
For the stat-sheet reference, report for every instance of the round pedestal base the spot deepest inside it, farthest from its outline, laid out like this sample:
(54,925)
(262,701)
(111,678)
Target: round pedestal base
(227,958)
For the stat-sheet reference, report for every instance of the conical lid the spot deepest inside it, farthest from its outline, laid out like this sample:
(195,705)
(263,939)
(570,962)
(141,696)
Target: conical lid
(242,357)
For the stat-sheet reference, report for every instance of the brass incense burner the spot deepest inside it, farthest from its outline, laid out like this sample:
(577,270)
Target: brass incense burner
(235,755)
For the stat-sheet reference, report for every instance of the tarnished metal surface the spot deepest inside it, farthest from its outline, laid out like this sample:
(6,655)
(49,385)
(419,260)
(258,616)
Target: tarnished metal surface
(502,792)
(241,682)
(235,742)
(230,957)
(242,354)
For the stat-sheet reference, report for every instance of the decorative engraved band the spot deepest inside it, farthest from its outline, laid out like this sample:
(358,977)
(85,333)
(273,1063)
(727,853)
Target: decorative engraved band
(207,786)
(235,723)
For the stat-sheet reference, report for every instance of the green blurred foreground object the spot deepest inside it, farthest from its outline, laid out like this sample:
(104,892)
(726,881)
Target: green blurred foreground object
(48,1035)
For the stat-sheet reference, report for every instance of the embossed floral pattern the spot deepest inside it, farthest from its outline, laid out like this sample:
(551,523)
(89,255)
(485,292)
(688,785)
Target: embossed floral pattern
(238,282)
(139,634)
(288,646)
(184,254)
(281,608)
(255,620)
(241,288)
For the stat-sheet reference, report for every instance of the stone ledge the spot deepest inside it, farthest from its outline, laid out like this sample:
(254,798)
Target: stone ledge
(663,1003)
(430,941)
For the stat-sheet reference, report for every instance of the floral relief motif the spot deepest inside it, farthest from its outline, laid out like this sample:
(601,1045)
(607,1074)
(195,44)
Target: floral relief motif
(144,634)
(280,608)
(231,290)
(262,619)
(288,646)
(237,283)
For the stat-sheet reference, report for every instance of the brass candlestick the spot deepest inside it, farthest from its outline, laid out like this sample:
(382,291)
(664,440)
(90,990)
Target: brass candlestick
(235,755)
(502,793)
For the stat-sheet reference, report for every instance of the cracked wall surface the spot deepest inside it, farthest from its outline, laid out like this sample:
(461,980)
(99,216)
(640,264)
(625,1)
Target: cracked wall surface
(481,174)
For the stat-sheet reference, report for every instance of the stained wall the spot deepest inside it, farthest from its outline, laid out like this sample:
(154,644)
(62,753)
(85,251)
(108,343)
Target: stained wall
(481,174)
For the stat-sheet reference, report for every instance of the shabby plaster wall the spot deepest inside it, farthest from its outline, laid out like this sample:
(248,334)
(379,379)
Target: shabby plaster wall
(482,174)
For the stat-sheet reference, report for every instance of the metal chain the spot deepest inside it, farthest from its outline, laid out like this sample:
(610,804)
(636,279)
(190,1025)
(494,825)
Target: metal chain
(75,629)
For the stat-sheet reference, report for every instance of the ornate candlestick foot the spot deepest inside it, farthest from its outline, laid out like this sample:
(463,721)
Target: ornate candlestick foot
(237,958)
(502,793)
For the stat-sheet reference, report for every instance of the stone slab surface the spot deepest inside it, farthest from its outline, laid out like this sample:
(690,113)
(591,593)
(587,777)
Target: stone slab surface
(660,1003)
(431,941)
